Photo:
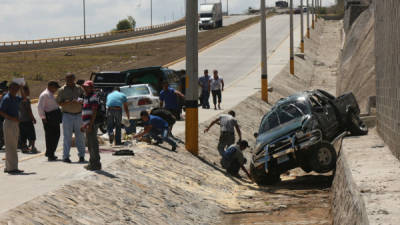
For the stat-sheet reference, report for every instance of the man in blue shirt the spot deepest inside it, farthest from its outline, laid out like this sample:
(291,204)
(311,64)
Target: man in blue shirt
(204,83)
(9,109)
(169,99)
(157,128)
(115,101)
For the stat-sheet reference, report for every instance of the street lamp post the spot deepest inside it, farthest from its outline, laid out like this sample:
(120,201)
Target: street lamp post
(308,20)
(291,39)
(84,19)
(191,96)
(301,27)
(313,14)
(151,13)
(264,71)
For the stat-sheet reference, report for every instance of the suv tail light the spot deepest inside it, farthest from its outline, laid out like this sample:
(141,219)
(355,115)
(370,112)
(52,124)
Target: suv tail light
(144,101)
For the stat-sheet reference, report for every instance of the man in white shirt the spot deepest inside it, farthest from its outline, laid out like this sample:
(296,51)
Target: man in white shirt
(216,84)
(50,114)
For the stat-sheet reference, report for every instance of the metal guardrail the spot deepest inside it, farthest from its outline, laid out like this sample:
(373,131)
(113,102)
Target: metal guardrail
(88,36)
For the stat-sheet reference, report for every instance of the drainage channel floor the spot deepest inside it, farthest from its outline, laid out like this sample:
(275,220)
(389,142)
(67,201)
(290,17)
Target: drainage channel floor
(299,199)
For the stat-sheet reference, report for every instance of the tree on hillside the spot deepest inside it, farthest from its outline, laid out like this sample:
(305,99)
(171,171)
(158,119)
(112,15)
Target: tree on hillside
(129,23)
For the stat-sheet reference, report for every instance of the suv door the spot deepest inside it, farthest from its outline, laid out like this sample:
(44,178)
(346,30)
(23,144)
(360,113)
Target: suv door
(325,113)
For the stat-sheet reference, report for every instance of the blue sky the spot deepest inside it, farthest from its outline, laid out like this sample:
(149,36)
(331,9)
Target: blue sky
(35,19)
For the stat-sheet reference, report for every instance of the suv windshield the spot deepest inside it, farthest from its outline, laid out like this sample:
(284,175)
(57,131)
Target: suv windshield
(135,90)
(288,113)
(205,15)
(268,122)
(109,78)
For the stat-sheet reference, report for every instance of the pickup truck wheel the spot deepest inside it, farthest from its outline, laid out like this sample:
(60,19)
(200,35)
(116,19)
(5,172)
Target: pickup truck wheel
(263,178)
(323,157)
(357,126)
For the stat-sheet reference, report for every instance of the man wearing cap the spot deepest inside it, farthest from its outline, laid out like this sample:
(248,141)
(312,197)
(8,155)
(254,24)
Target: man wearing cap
(169,99)
(50,114)
(67,98)
(228,124)
(115,101)
(233,159)
(9,109)
(89,112)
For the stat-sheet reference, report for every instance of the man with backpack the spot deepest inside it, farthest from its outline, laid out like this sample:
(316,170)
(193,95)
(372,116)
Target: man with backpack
(165,115)
(233,159)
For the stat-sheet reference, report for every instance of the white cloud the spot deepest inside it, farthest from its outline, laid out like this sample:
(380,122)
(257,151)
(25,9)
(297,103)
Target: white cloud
(34,19)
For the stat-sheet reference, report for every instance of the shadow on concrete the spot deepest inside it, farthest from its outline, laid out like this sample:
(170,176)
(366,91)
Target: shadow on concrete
(305,183)
(106,174)
(210,164)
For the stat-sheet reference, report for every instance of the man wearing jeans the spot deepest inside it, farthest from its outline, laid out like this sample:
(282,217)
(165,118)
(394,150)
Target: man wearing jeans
(227,136)
(157,128)
(68,98)
(115,101)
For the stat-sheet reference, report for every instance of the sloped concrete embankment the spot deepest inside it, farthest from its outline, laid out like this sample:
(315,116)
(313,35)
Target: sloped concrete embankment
(357,64)
(158,186)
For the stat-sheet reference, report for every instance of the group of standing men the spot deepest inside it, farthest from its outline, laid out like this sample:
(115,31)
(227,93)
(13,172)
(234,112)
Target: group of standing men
(77,114)
(213,85)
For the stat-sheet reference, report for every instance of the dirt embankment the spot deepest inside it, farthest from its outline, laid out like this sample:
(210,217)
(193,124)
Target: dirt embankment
(357,64)
(157,186)
(40,66)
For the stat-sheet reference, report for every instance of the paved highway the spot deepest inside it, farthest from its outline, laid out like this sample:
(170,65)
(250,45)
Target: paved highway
(228,20)
(240,54)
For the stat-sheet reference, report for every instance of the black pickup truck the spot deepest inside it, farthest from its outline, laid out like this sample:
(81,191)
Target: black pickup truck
(155,75)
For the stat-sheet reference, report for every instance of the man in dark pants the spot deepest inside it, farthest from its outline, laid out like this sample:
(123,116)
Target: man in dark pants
(217,87)
(157,128)
(227,136)
(115,101)
(204,83)
(169,99)
(89,111)
(233,159)
(50,114)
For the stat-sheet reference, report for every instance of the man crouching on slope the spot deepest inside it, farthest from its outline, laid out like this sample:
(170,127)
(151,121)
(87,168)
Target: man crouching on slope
(155,126)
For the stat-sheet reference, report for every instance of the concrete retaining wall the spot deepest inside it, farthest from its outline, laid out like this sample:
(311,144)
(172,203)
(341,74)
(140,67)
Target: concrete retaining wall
(387,46)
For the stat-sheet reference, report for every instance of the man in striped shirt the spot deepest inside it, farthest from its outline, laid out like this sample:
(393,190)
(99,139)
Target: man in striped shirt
(89,111)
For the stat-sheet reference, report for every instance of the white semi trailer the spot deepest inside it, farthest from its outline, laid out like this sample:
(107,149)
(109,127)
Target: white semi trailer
(210,15)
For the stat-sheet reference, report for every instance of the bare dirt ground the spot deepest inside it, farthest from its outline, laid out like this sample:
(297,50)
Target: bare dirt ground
(40,66)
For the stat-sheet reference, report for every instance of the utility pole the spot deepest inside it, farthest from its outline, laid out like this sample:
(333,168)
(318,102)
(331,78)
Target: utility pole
(227,7)
(191,97)
(291,39)
(313,15)
(84,19)
(308,20)
(301,27)
(151,13)
(264,71)
(316,13)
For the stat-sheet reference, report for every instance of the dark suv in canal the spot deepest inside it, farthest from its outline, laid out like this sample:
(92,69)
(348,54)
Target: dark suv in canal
(304,130)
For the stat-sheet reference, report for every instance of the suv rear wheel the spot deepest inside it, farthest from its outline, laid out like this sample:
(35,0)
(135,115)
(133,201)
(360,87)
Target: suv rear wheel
(323,157)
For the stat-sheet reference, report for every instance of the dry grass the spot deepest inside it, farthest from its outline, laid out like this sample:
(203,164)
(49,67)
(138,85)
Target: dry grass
(40,66)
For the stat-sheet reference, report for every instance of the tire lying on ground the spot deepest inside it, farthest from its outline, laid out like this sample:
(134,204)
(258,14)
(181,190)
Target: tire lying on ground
(263,178)
(357,127)
(323,158)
